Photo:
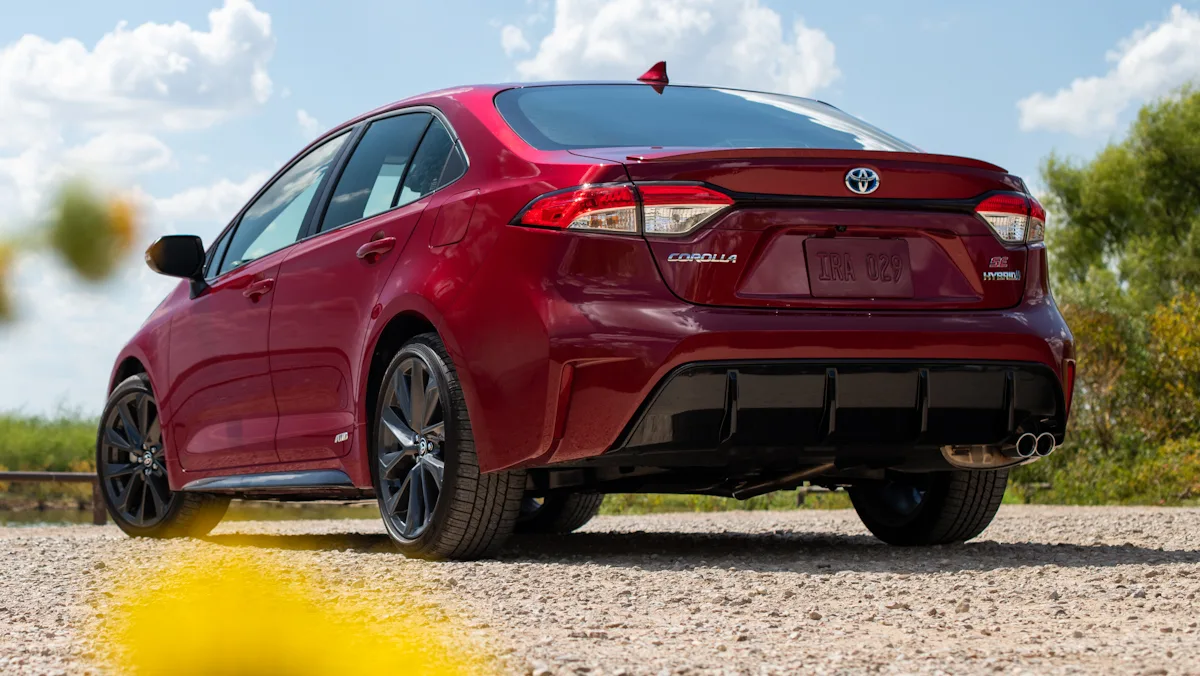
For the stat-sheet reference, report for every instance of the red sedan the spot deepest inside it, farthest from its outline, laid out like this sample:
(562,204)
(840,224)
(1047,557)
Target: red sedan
(489,306)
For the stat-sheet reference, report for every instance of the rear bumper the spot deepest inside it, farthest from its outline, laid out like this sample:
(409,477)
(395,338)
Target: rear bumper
(705,378)
(577,350)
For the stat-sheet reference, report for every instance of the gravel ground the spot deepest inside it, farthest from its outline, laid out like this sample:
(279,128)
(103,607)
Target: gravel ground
(1044,590)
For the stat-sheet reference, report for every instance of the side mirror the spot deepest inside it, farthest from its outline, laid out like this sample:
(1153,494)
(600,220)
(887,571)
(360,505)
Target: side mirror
(177,256)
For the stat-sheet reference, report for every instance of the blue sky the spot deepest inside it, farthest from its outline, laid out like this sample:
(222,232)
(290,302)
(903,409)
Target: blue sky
(946,76)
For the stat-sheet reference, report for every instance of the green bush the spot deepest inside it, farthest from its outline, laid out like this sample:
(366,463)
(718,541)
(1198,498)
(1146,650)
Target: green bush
(64,443)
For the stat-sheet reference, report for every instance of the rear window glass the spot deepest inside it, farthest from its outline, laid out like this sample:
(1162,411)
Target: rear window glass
(561,117)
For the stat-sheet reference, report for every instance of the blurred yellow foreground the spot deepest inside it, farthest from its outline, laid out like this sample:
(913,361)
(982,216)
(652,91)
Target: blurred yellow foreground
(233,615)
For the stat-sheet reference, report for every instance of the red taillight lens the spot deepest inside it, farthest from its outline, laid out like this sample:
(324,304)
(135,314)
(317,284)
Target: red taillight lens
(666,209)
(1069,384)
(611,208)
(1014,217)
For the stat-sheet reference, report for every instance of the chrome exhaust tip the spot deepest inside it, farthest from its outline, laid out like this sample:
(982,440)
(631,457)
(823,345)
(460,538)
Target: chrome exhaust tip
(1045,444)
(1027,445)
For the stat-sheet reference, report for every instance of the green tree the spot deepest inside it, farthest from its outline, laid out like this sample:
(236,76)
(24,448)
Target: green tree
(1134,208)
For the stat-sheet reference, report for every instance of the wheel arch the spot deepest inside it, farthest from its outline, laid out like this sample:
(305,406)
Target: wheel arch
(130,365)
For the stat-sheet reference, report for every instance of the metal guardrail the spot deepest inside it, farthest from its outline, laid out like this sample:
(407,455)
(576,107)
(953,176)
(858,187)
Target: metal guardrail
(99,511)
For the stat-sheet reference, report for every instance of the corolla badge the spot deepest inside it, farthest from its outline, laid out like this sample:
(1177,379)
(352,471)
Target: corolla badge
(701,258)
(862,181)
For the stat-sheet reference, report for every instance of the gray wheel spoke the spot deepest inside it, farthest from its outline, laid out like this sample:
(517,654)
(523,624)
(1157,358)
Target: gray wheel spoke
(399,430)
(160,502)
(393,502)
(414,518)
(143,417)
(436,468)
(432,397)
(402,394)
(117,471)
(142,506)
(114,438)
(389,462)
(436,431)
(124,498)
(416,384)
(429,493)
(131,430)
(154,434)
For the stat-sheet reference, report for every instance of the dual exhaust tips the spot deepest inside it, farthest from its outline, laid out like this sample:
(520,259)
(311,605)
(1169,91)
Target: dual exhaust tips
(1029,445)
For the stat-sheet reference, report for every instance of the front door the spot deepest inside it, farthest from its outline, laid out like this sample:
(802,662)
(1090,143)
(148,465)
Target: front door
(223,412)
(328,285)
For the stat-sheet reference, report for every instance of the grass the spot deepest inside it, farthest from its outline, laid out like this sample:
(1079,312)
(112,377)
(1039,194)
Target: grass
(61,443)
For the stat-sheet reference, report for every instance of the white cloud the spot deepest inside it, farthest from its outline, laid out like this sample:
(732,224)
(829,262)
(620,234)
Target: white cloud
(723,42)
(512,39)
(1149,63)
(126,150)
(105,111)
(154,76)
(213,204)
(309,126)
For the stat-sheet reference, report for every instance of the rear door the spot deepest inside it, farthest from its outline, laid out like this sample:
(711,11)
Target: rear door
(327,287)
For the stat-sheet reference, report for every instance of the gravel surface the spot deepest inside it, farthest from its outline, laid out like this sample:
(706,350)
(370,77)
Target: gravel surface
(1044,590)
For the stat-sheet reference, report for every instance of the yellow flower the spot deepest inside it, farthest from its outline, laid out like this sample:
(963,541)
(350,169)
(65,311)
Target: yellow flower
(90,233)
(233,613)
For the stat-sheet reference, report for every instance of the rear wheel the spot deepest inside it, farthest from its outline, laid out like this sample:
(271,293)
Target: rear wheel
(130,462)
(434,500)
(930,509)
(558,513)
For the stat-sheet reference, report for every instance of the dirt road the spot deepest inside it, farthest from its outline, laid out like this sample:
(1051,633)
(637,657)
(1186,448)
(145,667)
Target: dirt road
(1044,590)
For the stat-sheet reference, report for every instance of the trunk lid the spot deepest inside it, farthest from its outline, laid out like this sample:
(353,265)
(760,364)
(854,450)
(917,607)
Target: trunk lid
(797,237)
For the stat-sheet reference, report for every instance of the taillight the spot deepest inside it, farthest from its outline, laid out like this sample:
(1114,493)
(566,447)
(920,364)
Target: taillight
(1037,221)
(1014,217)
(610,208)
(664,209)
(679,209)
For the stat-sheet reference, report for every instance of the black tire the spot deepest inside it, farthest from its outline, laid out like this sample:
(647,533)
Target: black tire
(473,514)
(558,513)
(953,506)
(140,501)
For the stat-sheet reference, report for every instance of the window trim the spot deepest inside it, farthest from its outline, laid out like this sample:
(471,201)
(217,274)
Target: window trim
(326,194)
(213,265)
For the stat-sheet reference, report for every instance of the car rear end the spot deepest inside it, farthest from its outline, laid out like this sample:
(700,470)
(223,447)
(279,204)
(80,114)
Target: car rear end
(774,291)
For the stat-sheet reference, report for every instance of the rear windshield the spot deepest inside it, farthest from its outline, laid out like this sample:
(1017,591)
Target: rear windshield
(563,117)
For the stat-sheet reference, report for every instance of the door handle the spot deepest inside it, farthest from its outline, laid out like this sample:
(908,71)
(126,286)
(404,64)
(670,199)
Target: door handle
(372,250)
(259,288)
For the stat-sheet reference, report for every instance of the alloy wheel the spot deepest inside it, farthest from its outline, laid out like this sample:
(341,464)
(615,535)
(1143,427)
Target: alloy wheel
(132,465)
(412,440)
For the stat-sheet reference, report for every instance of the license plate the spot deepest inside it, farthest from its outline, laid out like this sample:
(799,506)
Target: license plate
(858,268)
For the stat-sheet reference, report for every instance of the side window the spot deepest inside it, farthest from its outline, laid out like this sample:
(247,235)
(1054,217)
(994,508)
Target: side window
(216,253)
(371,180)
(274,220)
(429,165)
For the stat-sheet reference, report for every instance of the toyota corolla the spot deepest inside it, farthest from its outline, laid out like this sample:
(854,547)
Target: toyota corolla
(488,306)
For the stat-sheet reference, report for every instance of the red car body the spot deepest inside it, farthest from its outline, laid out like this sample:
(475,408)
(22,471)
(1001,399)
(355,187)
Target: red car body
(564,341)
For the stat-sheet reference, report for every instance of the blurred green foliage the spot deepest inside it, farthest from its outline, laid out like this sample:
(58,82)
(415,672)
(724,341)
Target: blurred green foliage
(1125,245)
(62,443)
